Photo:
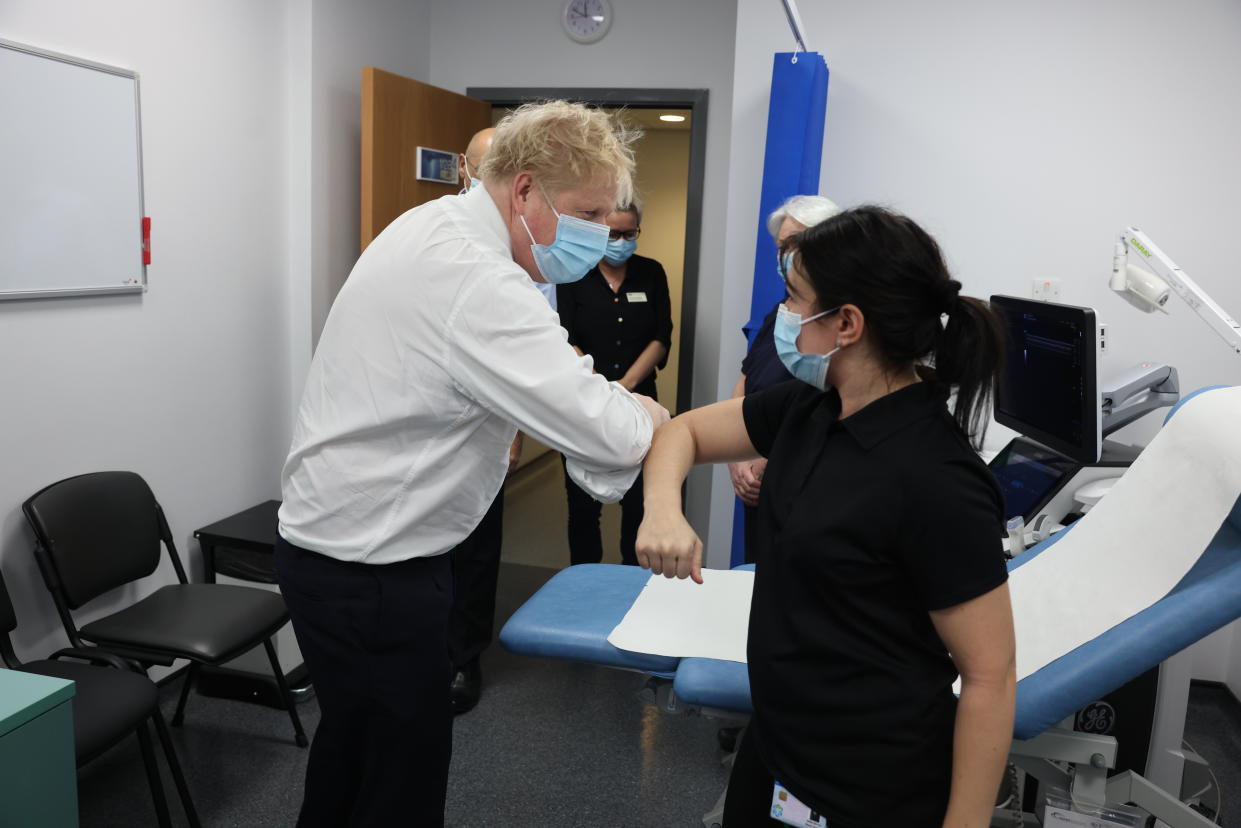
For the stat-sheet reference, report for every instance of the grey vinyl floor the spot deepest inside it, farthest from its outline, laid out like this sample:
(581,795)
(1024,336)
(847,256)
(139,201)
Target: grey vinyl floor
(551,744)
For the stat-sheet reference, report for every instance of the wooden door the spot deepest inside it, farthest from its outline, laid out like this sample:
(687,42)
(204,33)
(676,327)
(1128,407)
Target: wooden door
(398,116)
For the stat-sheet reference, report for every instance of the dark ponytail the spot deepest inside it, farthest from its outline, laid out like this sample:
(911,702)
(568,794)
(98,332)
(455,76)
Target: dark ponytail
(894,272)
(968,356)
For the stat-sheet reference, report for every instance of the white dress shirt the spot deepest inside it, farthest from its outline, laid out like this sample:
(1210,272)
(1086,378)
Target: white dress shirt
(437,348)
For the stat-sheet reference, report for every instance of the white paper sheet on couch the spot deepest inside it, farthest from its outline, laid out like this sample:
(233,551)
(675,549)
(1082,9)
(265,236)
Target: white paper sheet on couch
(680,619)
(1134,546)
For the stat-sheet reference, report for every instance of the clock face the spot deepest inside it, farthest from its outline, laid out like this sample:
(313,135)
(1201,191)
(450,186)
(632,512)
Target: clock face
(586,21)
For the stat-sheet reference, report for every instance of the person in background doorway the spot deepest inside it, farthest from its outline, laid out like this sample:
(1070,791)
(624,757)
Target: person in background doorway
(762,368)
(471,161)
(620,315)
(436,349)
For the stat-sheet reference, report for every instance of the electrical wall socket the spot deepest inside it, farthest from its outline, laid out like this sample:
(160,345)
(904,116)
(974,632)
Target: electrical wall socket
(1045,290)
(1102,337)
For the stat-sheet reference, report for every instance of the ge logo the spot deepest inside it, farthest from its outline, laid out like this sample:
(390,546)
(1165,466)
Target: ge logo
(1096,717)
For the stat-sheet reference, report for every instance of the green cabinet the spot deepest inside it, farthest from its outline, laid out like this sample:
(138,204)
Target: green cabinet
(38,773)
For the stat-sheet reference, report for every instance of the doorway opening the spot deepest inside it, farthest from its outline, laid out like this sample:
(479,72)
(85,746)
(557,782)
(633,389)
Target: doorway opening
(671,158)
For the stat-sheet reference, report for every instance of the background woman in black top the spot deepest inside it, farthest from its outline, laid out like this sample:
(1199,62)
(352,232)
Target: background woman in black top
(619,314)
(880,574)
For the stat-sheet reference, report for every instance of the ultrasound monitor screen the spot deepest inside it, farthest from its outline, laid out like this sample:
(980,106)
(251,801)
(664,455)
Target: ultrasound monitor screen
(1048,388)
(1027,476)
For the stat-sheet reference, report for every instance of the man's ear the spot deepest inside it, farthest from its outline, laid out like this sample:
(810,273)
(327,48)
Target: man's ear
(523,183)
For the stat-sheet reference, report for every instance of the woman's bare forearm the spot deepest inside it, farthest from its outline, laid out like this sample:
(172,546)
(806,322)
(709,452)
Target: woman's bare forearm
(982,735)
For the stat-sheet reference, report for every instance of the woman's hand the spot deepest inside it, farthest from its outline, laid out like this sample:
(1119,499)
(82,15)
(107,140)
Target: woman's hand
(747,476)
(658,414)
(667,545)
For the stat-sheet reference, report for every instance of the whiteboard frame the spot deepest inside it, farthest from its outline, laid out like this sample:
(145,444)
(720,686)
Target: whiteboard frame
(7,295)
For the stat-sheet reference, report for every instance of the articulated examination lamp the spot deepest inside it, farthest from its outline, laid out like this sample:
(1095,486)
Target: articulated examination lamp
(1148,287)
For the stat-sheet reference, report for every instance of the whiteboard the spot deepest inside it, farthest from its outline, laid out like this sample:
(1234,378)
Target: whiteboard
(70,176)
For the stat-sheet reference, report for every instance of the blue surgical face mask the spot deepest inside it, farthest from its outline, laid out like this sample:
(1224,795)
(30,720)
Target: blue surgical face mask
(578,247)
(811,368)
(471,182)
(619,250)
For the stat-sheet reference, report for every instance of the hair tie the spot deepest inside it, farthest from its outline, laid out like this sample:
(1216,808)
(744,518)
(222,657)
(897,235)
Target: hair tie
(949,292)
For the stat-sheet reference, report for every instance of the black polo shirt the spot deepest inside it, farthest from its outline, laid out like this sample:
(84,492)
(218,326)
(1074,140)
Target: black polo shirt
(615,328)
(865,524)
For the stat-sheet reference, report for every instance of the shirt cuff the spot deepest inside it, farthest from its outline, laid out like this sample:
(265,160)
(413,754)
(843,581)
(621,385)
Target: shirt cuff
(603,486)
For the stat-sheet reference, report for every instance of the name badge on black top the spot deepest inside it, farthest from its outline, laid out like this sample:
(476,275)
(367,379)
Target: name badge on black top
(790,810)
(635,296)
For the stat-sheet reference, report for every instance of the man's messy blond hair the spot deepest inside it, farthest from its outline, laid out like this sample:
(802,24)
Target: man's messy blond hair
(563,145)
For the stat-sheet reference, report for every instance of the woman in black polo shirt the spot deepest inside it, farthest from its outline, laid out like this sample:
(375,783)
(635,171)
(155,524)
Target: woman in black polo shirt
(881,575)
(620,314)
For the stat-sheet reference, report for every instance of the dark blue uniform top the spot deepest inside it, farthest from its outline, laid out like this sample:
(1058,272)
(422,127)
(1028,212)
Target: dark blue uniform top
(866,524)
(762,366)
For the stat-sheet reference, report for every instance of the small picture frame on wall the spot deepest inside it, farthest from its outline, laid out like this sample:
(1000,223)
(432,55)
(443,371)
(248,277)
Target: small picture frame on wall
(437,165)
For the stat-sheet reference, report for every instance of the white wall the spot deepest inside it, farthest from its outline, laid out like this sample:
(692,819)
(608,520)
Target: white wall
(652,43)
(1024,137)
(183,383)
(330,42)
(347,35)
(250,117)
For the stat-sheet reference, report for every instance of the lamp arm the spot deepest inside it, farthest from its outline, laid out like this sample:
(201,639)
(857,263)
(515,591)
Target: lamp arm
(1133,239)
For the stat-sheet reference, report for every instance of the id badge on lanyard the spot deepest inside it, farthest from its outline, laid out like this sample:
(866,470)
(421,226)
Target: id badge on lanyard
(790,810)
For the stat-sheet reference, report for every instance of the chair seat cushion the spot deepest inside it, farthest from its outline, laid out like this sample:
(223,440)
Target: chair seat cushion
(207,623)
(107,703)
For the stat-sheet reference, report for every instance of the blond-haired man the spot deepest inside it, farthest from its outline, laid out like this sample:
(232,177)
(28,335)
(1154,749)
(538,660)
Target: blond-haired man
(437,348)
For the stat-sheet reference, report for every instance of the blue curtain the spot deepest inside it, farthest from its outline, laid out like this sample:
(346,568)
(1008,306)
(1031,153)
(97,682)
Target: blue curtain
(791,164)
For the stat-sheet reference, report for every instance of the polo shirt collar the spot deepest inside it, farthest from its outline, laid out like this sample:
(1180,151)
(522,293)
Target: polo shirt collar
(889,414)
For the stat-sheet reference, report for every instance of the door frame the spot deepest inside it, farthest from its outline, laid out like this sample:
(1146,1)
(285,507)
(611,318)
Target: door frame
(694,100)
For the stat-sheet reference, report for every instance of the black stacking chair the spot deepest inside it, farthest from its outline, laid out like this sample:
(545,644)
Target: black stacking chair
(110,702)
(99,531)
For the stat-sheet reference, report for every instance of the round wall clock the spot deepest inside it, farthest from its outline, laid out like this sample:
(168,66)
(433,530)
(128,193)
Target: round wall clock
(586,21)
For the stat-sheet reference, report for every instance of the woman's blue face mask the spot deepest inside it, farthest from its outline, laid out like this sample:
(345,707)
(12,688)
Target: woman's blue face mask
(578,247)
(811,368)
(619,250)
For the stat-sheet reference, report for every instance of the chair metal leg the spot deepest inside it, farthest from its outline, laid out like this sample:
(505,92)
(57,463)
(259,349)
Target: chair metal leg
(174,765)
(281,683)
(191,676)
(157,787)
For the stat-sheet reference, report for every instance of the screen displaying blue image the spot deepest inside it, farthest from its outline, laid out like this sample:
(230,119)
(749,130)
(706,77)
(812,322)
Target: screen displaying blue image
(1025,483)
(1029,476)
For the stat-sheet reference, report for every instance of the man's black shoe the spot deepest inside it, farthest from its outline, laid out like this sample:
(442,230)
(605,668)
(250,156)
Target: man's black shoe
(466,687)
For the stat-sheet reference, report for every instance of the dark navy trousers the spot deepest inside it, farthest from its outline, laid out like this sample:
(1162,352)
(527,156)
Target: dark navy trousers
(375,642)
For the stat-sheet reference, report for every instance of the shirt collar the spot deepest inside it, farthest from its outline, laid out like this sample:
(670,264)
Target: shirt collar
(490,224)
(889,414)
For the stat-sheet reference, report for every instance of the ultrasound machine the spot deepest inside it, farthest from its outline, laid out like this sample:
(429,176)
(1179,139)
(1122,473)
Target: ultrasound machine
(1060,465)
(1049,392)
